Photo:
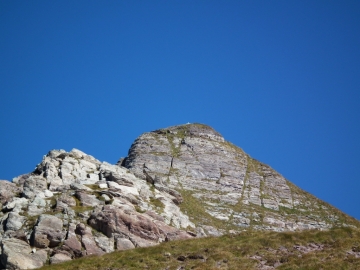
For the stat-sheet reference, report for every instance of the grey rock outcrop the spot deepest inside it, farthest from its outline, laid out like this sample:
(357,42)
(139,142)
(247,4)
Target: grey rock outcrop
(176,183)
(196,160)
(63,210)
(7,191)
(17,254)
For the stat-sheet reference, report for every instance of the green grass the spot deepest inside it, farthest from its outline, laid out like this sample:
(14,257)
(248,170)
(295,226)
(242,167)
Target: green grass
(234,252)
(158,204)
(195,209)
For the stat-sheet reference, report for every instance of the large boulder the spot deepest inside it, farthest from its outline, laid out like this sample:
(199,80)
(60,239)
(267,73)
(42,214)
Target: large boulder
(48,232)
(72,244)
(17,254)
(87,240)
(33,186)
(142,230)
(14,221)
(7,191)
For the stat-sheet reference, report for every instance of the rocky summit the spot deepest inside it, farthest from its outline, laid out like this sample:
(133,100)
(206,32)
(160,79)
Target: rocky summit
(179,182)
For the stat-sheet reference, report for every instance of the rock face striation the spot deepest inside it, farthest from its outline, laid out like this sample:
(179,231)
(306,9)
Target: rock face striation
(176,183)
(227,183)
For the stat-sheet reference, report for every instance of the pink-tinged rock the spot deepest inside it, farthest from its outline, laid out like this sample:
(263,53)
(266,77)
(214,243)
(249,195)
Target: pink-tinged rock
(124,244)
(142,229)
(112,220)
(16,254)
(33,186)
(48,232)
(59,258)
(90,245)
(7,191)
(72,244)
(87,240)
(87,199)
(178,235)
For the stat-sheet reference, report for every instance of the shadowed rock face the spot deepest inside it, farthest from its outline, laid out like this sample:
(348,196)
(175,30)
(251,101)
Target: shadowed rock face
(176,183)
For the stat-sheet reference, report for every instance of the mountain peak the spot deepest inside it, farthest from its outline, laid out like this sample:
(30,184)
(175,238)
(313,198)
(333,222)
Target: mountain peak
(179,182)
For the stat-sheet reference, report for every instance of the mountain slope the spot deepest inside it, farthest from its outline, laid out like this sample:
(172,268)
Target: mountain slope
(310,249)
(180,182)
(226,183)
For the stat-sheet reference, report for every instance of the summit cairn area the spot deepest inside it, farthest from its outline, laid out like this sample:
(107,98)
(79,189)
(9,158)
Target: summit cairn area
(179,182)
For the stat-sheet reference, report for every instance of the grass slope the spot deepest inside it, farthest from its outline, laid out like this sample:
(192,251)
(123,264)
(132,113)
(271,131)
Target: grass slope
(337,248)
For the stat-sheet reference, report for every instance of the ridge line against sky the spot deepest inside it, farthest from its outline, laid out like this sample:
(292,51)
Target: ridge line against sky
(279,79)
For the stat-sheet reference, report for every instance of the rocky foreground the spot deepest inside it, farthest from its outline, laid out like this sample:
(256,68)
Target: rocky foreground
(176,183)
(73,205)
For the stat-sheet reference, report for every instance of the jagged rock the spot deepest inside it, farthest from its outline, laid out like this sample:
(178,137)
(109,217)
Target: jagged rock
(48,232)
(14,221)
(76,186)
(87,199)
(8,191)
(197,159)
(87,240)
(34,185)
(140,228)
(16,254)
(175,179)
(105,243)
(64,201)
(124,244)
(72,243)
(111,220)
(59,258)
(16,204)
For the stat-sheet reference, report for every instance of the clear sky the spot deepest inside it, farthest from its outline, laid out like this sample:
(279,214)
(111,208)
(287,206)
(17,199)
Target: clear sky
(280,79)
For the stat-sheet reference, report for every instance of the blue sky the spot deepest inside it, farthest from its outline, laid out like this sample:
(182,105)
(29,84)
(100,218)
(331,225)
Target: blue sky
(280,79)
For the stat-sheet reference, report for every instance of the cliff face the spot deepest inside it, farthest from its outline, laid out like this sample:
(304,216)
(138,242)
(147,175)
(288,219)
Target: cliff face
(176,183)
(231,186)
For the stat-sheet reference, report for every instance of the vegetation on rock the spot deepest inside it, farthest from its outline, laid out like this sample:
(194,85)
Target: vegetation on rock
(338,248)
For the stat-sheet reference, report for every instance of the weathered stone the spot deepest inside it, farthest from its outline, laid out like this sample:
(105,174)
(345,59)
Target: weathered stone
(34,185)
(88,166)
(7,191)
(59,258)
(87,199)
(16,254)
(16,205)
(48,193)
(48,232)
(124,189)
(178,235)
(140,228)
(103,185)
(72,242)
(14,221)
(105,243)
(87,240)
(64,201)
(124,244)
(190,164)
(76,186)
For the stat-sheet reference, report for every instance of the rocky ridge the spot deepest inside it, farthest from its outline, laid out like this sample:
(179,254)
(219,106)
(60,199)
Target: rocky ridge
(73,205)
(176,183)
(195,160)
